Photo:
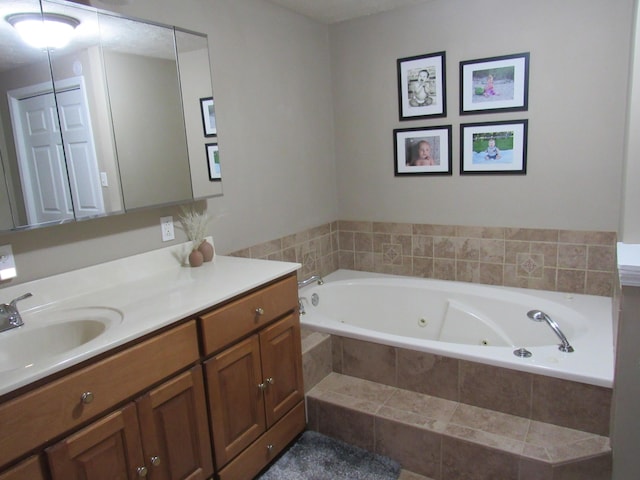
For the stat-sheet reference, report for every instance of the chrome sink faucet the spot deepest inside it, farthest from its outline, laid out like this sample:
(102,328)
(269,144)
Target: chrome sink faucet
(9,315)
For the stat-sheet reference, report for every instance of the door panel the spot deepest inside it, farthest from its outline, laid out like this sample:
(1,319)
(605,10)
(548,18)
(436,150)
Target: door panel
(174,429)
(235,401)
(281,352)
(108,449)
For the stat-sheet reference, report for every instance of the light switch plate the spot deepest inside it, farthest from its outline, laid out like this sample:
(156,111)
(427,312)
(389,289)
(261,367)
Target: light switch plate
(7,263)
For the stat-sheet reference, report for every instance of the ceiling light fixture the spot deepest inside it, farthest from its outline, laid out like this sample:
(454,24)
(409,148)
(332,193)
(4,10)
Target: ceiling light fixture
(48,30)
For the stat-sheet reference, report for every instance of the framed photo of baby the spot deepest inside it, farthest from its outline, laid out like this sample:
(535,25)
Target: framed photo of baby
(497,84)
(422,151)
(421,86)
(494,148)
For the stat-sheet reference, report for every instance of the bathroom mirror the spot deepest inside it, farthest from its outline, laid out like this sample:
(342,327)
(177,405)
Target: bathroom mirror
(146,108)
(199,113)
(118,79)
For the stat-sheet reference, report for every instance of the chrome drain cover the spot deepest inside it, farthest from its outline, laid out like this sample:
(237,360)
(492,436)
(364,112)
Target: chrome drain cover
(522,353)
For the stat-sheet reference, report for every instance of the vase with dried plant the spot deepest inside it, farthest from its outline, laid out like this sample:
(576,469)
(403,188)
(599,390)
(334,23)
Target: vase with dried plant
(195,226)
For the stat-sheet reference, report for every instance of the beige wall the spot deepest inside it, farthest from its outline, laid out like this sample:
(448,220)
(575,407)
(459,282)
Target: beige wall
(287,89)
(630,223)
(577,101)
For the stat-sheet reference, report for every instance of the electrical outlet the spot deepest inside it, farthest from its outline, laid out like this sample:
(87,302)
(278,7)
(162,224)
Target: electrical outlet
(7,263)
(166,226)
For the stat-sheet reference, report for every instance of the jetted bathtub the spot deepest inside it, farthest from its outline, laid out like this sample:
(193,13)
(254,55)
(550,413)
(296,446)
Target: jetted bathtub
(474,322)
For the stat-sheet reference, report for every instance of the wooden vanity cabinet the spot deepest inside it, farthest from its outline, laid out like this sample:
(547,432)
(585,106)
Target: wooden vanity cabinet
(161,435)
(255,386)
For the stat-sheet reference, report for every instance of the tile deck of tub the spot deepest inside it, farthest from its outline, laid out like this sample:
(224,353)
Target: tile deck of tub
(440,439)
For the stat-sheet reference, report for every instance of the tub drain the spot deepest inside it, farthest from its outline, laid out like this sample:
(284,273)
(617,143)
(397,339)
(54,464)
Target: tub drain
(522,353)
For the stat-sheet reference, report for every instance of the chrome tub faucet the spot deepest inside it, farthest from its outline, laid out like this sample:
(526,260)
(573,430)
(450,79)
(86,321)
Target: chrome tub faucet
(310,280)
(540,316)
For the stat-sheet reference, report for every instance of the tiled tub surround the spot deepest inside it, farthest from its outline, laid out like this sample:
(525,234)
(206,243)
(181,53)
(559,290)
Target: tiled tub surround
(556,260)
(455,420)
(448,440)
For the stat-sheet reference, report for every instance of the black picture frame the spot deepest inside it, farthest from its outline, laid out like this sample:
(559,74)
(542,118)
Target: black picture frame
(408,143)
(208,117)
(422,86)
(491,148)
(213,162)
(495,84)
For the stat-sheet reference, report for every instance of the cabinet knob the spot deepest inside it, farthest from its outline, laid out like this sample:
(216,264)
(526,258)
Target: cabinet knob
(269,381)
(155,461)
(262,386)
(142,471)
(270,448)
(259,311)
(87,398)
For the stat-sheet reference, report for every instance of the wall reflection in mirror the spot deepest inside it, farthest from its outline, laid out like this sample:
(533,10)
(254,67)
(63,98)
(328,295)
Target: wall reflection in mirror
(97,127)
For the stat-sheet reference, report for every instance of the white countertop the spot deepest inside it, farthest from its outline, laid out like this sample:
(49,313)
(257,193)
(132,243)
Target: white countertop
(629,264)
(149,291)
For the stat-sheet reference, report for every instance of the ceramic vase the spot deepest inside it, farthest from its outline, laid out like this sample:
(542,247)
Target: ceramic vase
(207,251)
(195,258)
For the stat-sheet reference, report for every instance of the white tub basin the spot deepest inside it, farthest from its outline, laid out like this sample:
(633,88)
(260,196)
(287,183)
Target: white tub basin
(48,335)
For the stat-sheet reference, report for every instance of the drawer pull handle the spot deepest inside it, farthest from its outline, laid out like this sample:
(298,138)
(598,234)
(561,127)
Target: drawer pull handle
(87,398)
(155,460)
(259,311)
(142,471)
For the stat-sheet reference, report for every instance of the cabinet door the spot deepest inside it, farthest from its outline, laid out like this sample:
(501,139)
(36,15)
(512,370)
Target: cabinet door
(108,449)
(175,434)
(281,354)
(236,402)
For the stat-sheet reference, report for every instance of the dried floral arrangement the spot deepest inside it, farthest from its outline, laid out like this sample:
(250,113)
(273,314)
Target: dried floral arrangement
(195,225)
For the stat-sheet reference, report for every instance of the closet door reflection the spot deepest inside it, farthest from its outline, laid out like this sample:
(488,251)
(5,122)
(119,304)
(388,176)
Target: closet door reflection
(37,191)
(80,90)
(146,109)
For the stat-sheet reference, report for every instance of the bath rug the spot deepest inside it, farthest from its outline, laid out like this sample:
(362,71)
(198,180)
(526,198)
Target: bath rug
(318,457)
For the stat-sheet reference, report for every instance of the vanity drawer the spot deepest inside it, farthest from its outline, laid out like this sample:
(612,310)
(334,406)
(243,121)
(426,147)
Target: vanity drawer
(36,417)
(226,324)
(30,469)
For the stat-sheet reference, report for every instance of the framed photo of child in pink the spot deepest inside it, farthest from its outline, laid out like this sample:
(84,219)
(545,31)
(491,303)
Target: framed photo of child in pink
(421,86)
(497,84)
(422,150)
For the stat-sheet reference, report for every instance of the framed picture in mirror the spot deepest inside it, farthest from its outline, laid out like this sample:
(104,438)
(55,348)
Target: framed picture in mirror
(208,117)
(213,161)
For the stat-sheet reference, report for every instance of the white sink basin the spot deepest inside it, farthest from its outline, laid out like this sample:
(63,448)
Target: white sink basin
(49,335)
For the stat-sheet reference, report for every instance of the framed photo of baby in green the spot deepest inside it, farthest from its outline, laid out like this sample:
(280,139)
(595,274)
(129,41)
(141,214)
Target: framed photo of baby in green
(496,84)
(421,86)
(494,148)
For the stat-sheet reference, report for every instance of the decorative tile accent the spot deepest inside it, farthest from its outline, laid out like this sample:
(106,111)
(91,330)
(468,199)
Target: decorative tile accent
(392,253)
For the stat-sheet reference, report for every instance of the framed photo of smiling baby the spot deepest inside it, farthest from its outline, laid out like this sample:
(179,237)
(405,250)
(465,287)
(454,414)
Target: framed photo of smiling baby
(422,150)
(421,86)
